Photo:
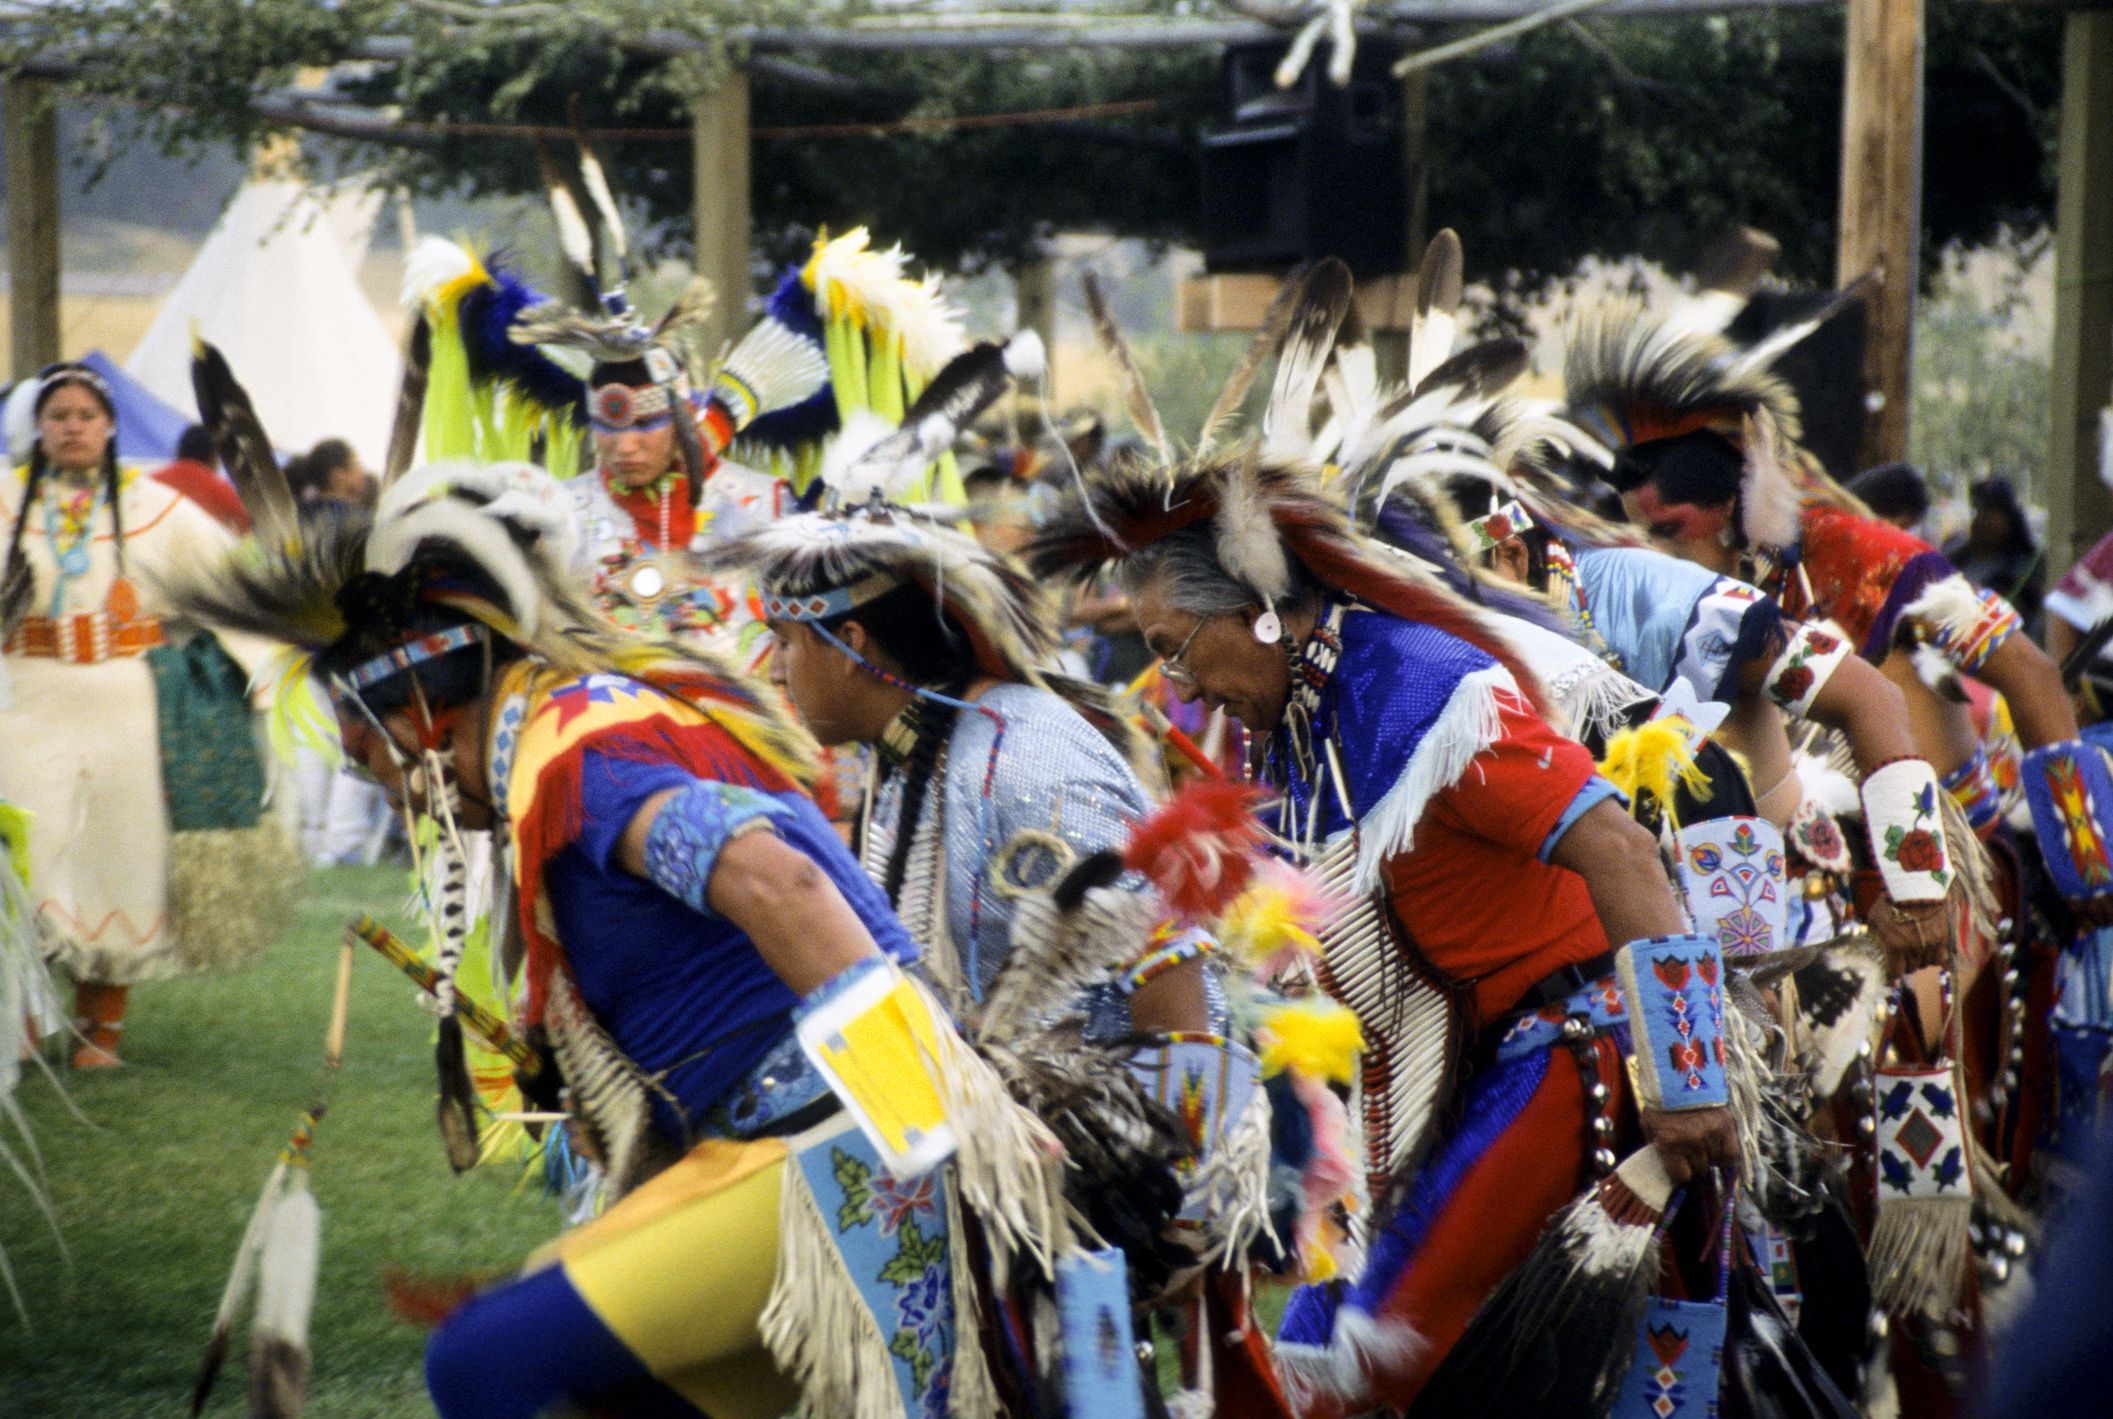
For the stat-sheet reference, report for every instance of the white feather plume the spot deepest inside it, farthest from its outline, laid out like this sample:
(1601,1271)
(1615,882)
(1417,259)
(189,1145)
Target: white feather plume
(21,419)
(844,465)
(1026,357)
(1248,545)
(1769,502)
(433,262)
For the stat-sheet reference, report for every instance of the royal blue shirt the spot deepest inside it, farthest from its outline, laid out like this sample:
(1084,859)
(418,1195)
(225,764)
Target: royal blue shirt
(682,993)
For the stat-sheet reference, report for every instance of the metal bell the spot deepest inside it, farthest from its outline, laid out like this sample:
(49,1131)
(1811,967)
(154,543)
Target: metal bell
(2013,1243)
(1603,1126)
(1603,1159)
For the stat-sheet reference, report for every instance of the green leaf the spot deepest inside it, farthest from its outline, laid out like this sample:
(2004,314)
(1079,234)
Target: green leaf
(916,1255)
(906,1347)
(854,1177)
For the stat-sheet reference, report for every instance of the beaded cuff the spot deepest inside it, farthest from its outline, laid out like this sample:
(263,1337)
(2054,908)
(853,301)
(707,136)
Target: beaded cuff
(1670,985)
(2068,789)
(1802,670)
(875,1039)
(1906,824)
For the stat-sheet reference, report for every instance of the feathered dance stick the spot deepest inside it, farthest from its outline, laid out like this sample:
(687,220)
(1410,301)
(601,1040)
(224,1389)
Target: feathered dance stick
(278,1254)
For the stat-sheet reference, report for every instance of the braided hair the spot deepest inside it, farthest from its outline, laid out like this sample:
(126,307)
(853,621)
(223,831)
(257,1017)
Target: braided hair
(17,583)
(935,654)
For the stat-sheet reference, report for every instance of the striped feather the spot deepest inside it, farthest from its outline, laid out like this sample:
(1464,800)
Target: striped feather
(1137,399)
(245,449)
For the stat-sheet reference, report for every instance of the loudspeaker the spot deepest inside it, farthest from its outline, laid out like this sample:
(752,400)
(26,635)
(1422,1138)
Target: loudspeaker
(1825,370)
(1310,171)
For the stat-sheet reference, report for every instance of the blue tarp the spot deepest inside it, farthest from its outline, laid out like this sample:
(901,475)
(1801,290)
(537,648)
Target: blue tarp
(147,429)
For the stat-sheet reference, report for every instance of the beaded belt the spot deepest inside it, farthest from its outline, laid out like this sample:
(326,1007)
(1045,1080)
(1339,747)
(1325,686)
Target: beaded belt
(87,638)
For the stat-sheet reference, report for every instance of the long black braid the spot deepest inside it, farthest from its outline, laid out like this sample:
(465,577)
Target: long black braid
(18,585)
(935,726)
(933,653)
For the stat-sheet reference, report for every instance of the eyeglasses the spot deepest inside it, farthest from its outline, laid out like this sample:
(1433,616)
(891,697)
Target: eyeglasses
(1173,666)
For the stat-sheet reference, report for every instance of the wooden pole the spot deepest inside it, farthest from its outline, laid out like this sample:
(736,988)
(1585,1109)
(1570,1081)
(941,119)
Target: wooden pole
(719,151)
(1034,302)
(1390,348)
(2078,512)
(1881,202)
(32,225)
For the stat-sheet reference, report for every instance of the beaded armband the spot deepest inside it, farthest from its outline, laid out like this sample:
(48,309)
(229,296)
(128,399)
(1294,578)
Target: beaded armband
(1802,670)
(2069,791)
(693,828)
(1973,787)
(1965,623)
(873,1036)
(1906,824)
(1671,988)
(1172,945)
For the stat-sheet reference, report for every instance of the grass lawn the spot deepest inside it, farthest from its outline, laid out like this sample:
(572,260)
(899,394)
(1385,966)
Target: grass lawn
(152,1191)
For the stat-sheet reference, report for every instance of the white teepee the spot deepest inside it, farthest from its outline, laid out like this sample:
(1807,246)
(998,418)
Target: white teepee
(273,288)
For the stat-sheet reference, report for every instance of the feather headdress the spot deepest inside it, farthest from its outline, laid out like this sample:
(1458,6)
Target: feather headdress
(1633,381)
(848,557)
(488,542)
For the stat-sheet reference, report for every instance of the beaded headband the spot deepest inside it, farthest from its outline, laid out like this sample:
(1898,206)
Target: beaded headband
(620,408)
(401,658)
(829,603)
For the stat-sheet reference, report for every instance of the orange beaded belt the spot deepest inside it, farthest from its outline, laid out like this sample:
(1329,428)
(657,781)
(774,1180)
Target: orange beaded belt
(84,639)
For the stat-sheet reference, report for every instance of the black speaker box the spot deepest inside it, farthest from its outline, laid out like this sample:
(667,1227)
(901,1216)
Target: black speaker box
(1825,370)
(1310,171)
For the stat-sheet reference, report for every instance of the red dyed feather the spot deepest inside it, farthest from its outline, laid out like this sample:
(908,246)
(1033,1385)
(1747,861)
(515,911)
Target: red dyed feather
(1200,848)
(428,1300)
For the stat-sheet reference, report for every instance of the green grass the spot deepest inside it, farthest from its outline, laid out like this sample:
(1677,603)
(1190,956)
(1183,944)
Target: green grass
(152,1191)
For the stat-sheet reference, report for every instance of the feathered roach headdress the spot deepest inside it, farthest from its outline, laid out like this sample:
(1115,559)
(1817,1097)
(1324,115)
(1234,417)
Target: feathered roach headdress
(492,542)
(1270,516)
(814,567)
(1649,391)
(482,331)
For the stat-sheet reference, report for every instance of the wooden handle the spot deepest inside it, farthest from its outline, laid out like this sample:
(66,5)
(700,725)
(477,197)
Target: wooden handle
(340,1006)
(487,1026)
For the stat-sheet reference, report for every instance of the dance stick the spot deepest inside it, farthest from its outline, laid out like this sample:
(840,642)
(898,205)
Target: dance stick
(489,1027)
(1169,731)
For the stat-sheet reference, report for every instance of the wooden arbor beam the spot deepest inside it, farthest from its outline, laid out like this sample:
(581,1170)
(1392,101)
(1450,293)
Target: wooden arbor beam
(719,146)
(1881,203)
(32,225)
(2083,290)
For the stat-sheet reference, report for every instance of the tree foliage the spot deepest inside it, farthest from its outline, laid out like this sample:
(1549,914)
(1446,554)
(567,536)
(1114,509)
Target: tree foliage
(1608,136)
